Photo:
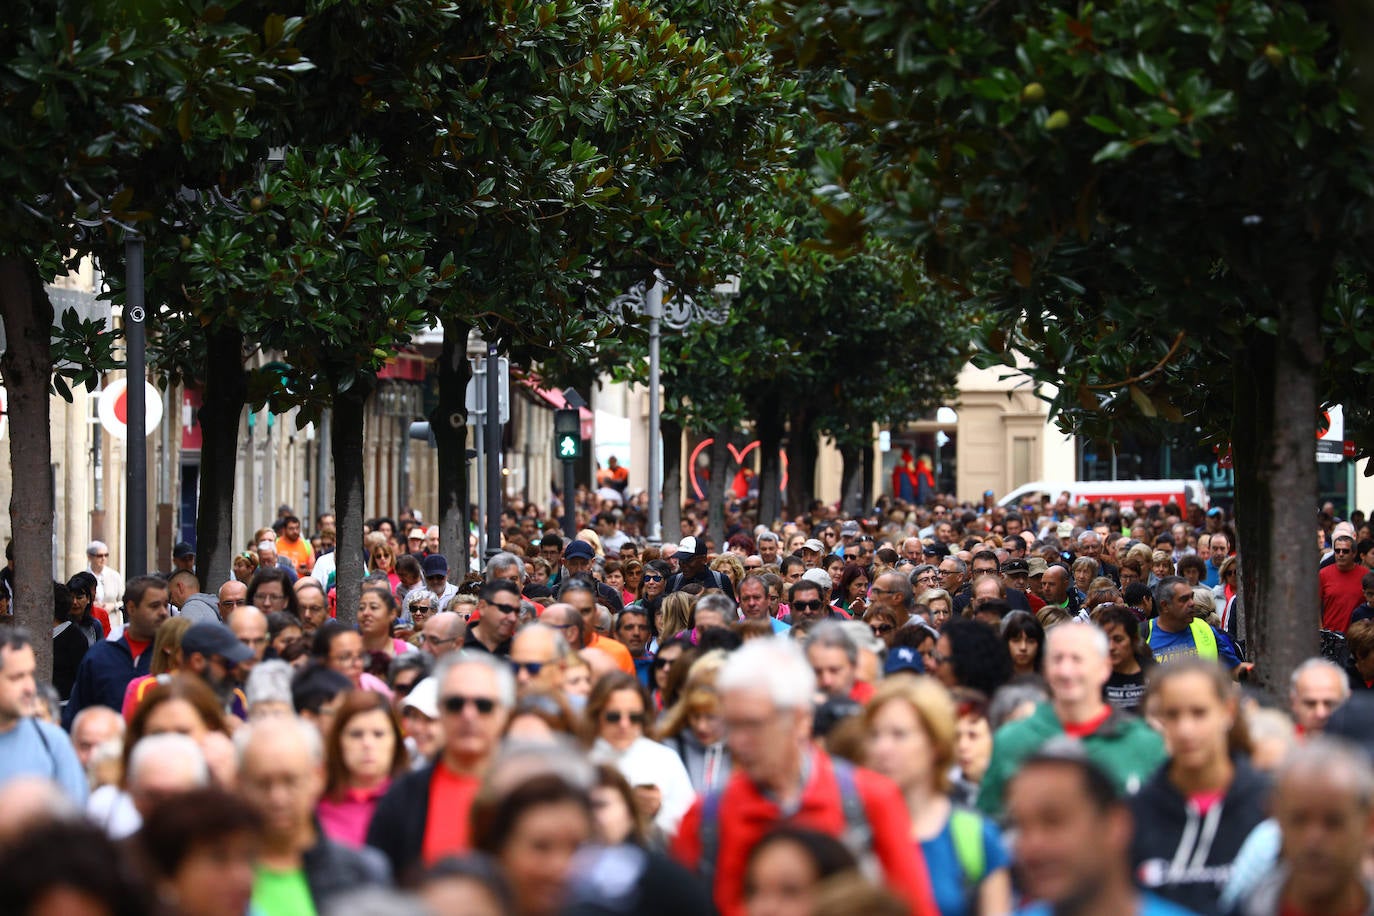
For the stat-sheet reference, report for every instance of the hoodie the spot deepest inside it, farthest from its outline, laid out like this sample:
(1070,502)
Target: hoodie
(701,760)
(1185,855)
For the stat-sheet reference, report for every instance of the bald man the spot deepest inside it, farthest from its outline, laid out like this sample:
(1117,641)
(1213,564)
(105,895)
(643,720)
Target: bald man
(250,628)
(443,633)
(232,595)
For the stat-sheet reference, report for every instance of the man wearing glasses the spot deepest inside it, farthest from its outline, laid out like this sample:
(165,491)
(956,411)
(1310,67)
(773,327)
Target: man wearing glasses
(1341,587)
(424,815)
(499,607)
(443,633)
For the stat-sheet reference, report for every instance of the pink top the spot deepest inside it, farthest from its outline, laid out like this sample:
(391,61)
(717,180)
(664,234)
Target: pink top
(345,820)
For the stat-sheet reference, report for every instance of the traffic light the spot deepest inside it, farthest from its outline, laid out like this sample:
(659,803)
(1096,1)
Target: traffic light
(567,435)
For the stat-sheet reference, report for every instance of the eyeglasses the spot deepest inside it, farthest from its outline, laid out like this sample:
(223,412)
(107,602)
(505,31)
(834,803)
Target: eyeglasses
(455,705)
(234,602)
(504,608)
(530,668)
(436,640)
(615,717)
(937,658)
(875,590)
(100,556)
(881,628)
(421,608)
(1342,551)
(807,605)
(652,577)
(403,690)
(348,659)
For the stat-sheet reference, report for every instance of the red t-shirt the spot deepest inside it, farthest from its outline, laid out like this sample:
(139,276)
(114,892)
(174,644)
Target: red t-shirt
(446,825)
(1084,729)
(135,647)
(1341,594)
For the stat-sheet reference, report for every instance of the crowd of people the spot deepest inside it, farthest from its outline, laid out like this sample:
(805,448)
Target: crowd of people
(945,709)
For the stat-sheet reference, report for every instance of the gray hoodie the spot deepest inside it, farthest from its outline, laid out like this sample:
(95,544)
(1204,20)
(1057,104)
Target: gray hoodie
(701,760)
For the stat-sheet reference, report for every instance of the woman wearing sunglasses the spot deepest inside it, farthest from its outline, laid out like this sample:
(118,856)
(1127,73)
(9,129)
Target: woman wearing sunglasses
(617,719)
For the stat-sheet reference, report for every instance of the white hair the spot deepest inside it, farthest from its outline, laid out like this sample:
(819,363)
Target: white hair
(830,634)
(505,678)
(308,734)
(158,749)
(94,547)
(862,636)
(269,682)
(1099,636)
(503,560)
(775,665)
(99,712)
(1331,762)
(1318,664)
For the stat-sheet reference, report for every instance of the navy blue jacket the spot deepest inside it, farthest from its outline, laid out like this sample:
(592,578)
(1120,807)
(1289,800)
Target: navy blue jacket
(104,675)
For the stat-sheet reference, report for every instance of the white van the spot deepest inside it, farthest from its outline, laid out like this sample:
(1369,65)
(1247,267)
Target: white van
(1122,492)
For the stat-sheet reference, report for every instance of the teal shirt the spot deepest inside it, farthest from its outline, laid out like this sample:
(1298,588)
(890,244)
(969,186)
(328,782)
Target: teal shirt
(1124,746)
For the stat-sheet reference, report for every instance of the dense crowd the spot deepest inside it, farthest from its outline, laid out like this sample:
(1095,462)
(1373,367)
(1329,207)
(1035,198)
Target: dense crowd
(946,709)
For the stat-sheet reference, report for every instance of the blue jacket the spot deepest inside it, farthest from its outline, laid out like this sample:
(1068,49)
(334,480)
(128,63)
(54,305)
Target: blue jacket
(104,674)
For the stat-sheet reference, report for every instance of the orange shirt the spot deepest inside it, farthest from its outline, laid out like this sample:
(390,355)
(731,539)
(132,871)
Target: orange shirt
(446,826)
(617,651)
(299,552)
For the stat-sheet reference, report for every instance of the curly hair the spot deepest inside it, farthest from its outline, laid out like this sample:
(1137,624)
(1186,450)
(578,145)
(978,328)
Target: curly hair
(979,656)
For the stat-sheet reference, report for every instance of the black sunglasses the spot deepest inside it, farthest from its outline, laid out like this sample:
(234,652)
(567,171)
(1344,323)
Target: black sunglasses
(882,628)
(663,662)
(614,718)
(504,608)
(532,668)
(652,577)
(456,704)
(807,605)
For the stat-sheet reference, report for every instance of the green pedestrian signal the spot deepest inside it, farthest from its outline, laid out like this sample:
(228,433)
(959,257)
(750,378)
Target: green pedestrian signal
(569,447)
(567,435)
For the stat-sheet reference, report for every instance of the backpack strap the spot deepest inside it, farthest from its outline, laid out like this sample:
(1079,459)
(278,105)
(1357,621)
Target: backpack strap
(858,835)
(709,833)
(966,831)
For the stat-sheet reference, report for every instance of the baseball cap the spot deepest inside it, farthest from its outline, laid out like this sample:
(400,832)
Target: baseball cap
(904,658)
(938,549)
(183,550)
(1038,566)
(1014,567)
(214,639)
(424,698)
(814,545)
(818,576)
(416,534)
(692,547)
(578,550)
(435,565)
(1065,529)
(1214,511)
(849,529)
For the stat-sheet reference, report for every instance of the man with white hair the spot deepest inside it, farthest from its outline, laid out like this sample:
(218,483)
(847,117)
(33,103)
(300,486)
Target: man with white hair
(767,692)
(299,869)
(160,767)
(1077,666)
(1317,688)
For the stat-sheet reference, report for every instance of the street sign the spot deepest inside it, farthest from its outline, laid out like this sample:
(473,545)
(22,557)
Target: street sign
(476,394)
(567,435)
(114,405)
(1331,441)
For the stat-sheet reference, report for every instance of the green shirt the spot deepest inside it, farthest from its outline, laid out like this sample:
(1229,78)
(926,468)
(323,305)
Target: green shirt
(282,893)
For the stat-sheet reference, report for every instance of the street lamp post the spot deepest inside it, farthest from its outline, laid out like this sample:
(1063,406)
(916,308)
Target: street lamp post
(136,468)
(677,313)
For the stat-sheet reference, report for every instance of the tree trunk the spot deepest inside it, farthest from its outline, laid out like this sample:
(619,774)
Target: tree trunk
(225,393)
(26,367)
(868,495)
(851,479)
(672,480)
(1273,446)
(449,424)
(801,453)
(721,467)
(769,427)
(349,413)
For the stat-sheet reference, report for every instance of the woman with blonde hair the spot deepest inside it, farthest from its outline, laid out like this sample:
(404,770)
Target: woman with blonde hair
(590,536)
(732,566)
(674,615)
(166,660)
(911,726)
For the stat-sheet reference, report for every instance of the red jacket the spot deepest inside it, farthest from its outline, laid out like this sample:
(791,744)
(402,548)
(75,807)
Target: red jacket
(745,816)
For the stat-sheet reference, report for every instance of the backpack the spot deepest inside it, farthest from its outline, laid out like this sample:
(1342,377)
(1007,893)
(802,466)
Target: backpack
(858,835)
